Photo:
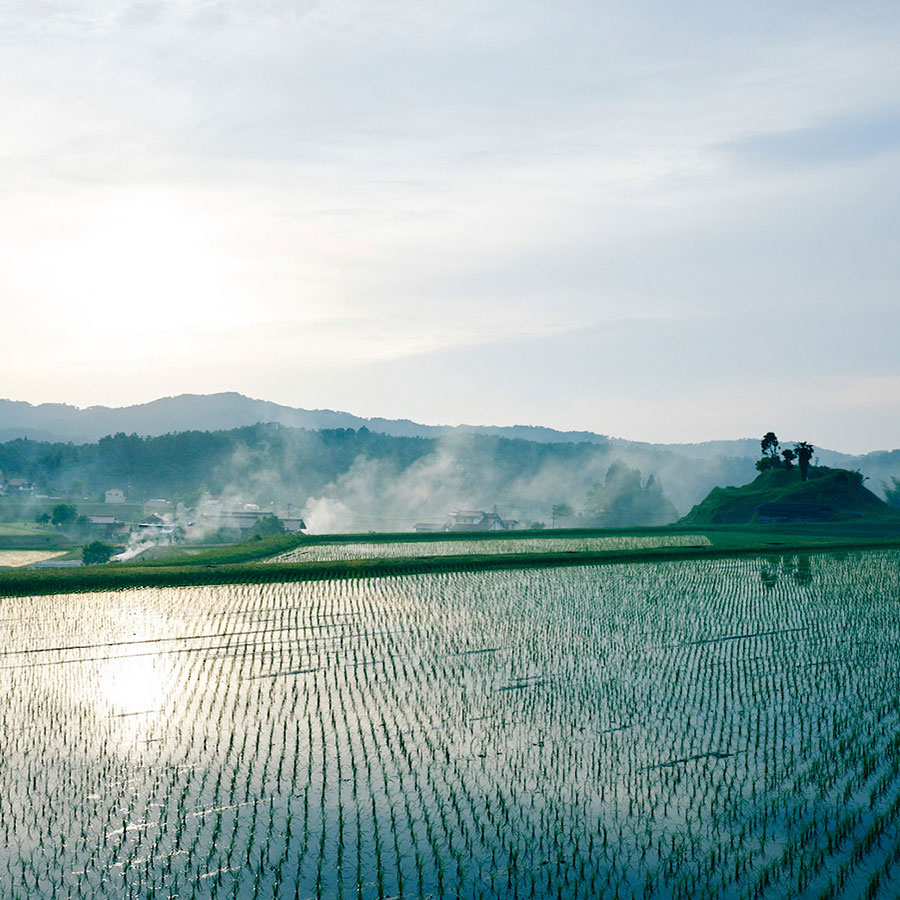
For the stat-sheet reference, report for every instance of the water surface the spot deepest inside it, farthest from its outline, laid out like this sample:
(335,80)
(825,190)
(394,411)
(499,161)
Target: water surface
(716,728)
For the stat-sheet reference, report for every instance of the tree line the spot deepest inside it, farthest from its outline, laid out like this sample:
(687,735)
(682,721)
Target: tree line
(372,473)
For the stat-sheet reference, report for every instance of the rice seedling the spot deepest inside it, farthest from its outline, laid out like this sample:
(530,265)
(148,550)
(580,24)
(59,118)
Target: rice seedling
(344,550)
(704,728)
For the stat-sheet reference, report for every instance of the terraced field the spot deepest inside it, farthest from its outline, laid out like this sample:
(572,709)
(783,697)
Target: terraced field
(376,550)
(17,558)
(718,728)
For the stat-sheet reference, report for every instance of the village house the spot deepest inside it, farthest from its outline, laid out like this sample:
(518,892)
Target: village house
(468,520)
(103,526)
(16,487)
(157,529)
(242,521)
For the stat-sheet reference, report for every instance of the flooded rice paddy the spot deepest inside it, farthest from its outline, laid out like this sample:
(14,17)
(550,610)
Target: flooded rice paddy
(343,551)
(724,728)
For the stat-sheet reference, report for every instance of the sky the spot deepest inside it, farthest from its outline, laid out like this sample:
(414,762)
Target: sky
(664,222)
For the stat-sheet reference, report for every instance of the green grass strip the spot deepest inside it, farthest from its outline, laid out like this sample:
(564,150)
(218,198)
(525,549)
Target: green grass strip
(118,577)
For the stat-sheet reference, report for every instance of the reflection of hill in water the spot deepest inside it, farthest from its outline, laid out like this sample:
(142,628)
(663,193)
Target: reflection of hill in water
(798,568)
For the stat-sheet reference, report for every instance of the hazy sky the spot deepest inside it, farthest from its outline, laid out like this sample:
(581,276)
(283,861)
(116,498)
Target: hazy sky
(664,221)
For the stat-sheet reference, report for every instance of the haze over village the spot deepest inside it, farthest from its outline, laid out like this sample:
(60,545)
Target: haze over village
(266,469)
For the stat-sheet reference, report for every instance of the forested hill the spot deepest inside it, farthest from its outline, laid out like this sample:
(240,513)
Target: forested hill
(59,422)
(361,473)
(781,495)
(223,411)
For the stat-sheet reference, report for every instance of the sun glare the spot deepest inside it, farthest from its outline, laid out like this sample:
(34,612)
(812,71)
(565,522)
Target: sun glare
(133,685)
(141,263)
(133,690)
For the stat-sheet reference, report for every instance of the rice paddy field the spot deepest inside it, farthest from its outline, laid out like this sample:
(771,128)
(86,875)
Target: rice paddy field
(339,551)
(724,728)
(18,558)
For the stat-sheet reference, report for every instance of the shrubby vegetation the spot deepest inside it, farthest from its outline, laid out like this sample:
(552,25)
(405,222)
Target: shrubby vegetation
(96,552)
(268,526)
(892,493)
(63,514)
(623,500)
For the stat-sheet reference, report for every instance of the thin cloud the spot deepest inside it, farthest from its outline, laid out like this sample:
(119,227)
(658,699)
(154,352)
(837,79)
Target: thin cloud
(365,200)
(844,140)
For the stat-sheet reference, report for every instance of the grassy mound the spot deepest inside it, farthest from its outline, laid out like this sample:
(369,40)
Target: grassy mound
(835,495)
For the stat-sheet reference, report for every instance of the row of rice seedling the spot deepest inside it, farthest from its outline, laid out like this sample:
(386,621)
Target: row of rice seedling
(719,728)
(359,550)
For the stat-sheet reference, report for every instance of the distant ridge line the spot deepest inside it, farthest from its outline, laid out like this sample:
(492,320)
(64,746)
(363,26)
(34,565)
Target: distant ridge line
(224,411)
(227,410)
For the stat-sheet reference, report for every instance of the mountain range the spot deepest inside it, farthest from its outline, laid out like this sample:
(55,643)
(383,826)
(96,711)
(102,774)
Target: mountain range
(60,422)
(221,412)
(347,472)
(227,410)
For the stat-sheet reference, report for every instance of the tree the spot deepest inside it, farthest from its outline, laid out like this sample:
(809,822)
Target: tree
(561,511)
(804,453)
(621,500)
(80,529)
(95,553)
(789,457)
(770,445)
(42,518)
(63,514)
(892,494)
(268,526)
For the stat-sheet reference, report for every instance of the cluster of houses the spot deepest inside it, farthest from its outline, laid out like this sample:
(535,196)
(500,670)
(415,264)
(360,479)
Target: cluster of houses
(468,520)
(215,515)
(211,516)
(16,487)
(157,518)
(108,527)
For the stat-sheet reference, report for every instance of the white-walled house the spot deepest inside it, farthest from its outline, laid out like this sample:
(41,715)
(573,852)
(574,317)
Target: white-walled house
(477,520)
(468,520)
(17,487)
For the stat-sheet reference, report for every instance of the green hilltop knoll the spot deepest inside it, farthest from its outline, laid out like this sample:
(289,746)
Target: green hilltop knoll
(781,495)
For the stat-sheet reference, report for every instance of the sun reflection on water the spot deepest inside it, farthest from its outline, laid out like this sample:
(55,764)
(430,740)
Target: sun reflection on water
(133,691)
